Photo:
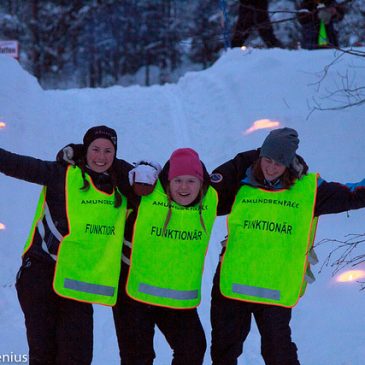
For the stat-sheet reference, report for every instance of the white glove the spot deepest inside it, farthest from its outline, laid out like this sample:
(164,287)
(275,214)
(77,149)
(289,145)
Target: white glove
(144,172)
(154,164)
(68,155)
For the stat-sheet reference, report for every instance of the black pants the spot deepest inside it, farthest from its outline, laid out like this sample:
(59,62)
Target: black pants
(253,16)
(231,323)
(59,330)
(135,323)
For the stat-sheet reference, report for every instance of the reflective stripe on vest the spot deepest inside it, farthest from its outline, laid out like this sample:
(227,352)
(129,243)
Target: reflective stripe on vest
(89,257)
(51,226)
(269,237)
(168,293)
(89,288)
(256,291)
(43,217)
(125,259)
(166,268)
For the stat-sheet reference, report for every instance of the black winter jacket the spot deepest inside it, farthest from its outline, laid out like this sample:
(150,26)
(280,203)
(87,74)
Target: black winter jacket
(53,175)
(332,197)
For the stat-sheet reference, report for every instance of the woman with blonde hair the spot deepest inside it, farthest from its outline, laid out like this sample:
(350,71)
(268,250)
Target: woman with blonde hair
(163,259)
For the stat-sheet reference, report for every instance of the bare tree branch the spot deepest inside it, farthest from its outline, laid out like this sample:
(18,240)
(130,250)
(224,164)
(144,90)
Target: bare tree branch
(347,95)
(347,253)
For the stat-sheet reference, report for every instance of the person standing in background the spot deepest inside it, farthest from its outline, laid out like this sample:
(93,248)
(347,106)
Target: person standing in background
(253,14)
(317,18)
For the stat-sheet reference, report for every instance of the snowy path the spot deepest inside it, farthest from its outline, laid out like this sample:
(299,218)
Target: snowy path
(208,111)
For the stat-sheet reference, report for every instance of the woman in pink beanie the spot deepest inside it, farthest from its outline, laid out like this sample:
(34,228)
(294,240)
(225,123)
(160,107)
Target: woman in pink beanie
(166,240)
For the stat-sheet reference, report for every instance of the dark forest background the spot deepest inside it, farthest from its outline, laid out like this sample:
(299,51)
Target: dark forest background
(100,43)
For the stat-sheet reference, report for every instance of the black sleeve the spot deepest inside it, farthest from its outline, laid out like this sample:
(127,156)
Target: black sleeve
(226,178)
(333,197)
(29,169)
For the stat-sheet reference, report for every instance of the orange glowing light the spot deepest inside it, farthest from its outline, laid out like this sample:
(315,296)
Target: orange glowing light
(2,226)
(2,124)
(351,275)
(262,124)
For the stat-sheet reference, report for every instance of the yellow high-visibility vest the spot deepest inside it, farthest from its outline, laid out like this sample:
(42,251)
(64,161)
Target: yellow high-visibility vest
(166,268)
(89,257)
(322,35)
(269,237)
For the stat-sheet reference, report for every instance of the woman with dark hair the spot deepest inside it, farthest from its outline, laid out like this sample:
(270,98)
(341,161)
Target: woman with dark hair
(166,240)
(72,256)
(273,204)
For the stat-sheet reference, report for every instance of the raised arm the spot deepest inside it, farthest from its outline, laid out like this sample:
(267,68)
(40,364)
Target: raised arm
(29,168)
(334,197)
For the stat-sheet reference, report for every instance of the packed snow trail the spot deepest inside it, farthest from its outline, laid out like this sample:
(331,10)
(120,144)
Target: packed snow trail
(209,111)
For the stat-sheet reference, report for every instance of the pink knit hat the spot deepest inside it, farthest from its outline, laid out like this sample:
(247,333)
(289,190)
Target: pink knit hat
(185,161)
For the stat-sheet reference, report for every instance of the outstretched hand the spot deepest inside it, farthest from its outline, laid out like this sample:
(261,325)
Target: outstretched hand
(143,176)
(70,154)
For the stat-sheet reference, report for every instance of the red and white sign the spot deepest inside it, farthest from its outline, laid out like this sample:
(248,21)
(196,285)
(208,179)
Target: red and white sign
(10,48)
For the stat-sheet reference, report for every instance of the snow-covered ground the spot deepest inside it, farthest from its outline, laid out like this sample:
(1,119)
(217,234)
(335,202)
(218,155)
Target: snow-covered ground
(209,111)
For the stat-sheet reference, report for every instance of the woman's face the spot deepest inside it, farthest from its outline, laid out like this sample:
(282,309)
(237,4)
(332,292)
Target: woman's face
(100,155)
(185,189)
(271,169)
